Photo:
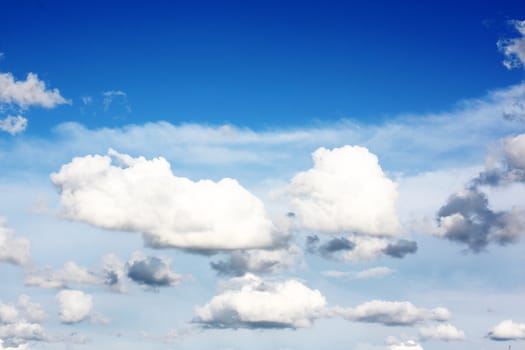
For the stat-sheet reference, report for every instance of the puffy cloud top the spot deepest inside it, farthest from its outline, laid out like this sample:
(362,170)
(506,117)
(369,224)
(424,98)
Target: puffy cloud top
(250,302)
(75,305)
(508,330)
(144,196)
(445,332)
(13,250)
(346,191)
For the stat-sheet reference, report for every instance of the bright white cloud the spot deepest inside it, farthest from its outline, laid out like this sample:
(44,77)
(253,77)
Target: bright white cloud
(22,332)
(406,345)
(508,330)
(13,124)
(444,332)
(250,302)
(144,196)
(29,92)
(13,250)
(392,313)
(346,191)
(514,49)
(70,274)
(75,305)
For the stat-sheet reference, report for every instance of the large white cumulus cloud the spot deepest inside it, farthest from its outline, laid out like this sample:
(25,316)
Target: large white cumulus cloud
(508,330)
(250,302)
(143,195)
(346,191)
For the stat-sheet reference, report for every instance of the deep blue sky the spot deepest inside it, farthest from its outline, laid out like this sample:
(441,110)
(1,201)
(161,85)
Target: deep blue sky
(256,63)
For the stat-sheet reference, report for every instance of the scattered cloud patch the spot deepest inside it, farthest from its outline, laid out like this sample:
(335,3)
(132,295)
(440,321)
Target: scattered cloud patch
(13,124)
(70,274)
(29,92)
(13,250)
(514,49)
(32,312)
(392,313)
(114,273)
(374,272)
(444,332)
(259,261)
(112,95)
(119,192)
(400,248)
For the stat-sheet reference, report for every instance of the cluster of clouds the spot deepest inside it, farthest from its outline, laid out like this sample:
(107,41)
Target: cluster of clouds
(14,250)
(19,95)
(467,218)
(20,323)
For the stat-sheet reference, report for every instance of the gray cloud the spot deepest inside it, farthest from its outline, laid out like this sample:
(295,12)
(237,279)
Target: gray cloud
(466,218)
(400,248)
(258,261)
(152,271)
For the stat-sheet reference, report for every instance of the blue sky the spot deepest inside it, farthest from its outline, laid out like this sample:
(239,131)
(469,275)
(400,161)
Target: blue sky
(246,175)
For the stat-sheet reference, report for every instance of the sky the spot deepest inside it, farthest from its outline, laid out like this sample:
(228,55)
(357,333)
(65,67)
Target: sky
(254,175)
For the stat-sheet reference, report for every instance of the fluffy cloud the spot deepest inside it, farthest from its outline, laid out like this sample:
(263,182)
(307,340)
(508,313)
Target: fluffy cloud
(346,191)
(508,330)
(114,273)
(514,49)
(374,272)
(152,271)
(13,250)
(250,302)
(392,313)
(32,312)
(8,313)
(75,305)
(445,332)
(71,273)
(466,218)
(29,92)
(22,332)
(258,261)
(13,124)
(144,196)
(7,347)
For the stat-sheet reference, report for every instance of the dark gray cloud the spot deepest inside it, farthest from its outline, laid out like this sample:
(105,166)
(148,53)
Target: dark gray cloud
(152,271)
(114,273)
(400,248)
(330,248)
(466,218)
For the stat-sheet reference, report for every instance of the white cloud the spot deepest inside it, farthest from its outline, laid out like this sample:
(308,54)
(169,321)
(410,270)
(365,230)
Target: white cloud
(508,330)
(29,92)
(250,302)
(22,332)
(514,49)
(144,196)
(8,313)
(75,305)
(346,191)
(445,332)
(259,261)
(392,313)
(13,124)
(13,250)
(71,273)
(32,312)
(374,272)
(18,347)
(109,96)
(406,345)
